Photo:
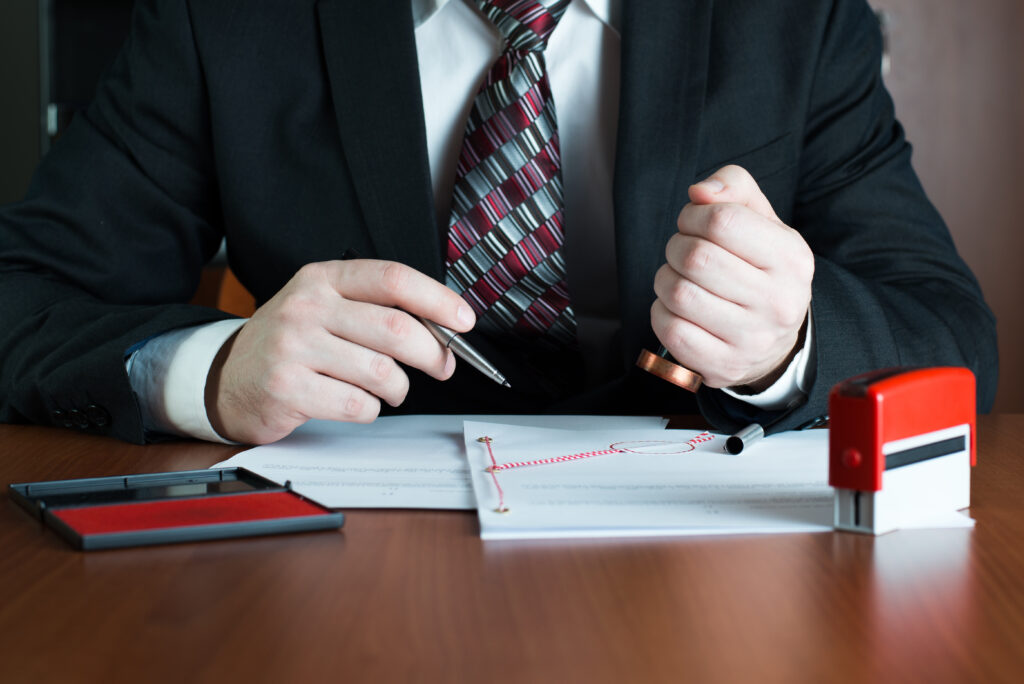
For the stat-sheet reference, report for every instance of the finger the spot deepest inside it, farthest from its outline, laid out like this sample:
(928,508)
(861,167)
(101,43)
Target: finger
(739,230)
(691,345)
(377,373)
(689,301)
(715,269)
(391,332)
(325,398)
(732,184)
(390,283)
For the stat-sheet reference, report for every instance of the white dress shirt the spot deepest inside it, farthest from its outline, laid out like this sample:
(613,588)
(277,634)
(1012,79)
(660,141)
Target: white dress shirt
(456,45)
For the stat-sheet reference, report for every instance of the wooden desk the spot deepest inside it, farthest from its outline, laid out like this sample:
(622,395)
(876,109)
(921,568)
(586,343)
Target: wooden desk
(416,596)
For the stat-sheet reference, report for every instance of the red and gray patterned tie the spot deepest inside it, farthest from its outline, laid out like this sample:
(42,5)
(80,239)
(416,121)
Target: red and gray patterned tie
(505,234)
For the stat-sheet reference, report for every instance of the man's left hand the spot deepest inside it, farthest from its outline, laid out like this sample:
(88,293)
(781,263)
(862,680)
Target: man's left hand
(736,288)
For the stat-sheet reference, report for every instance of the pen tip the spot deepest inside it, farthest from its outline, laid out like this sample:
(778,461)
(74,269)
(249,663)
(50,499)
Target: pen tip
(506,384)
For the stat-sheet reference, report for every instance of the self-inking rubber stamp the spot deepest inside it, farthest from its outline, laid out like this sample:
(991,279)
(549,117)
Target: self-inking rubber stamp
(901,446)
(665,367)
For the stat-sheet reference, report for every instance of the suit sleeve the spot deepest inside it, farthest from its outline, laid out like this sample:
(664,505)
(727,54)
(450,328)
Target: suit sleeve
(889,287)
(108,244)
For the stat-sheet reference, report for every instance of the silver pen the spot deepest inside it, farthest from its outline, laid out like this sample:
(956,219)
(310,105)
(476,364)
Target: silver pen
(450,339)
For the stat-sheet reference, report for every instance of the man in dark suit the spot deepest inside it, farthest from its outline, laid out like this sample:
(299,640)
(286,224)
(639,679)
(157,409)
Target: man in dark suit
(299,130)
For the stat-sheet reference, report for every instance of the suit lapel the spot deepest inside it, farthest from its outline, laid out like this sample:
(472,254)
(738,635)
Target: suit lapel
(370,54)
(663,82)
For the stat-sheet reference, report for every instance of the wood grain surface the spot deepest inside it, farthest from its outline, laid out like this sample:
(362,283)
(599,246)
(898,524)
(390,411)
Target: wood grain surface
(417,596)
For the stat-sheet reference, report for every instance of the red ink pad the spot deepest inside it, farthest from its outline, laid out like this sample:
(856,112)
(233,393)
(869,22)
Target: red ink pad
(161,508)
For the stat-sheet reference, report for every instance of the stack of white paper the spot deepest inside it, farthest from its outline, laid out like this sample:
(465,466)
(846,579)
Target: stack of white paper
(655,484)
(395,462)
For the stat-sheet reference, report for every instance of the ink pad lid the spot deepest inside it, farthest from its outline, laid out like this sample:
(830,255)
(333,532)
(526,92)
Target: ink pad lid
(163,508)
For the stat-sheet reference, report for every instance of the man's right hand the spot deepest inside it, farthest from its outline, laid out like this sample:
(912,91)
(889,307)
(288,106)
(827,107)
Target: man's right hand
(327,345)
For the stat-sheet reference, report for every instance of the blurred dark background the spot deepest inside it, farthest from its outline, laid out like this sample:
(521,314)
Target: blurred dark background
(52,53)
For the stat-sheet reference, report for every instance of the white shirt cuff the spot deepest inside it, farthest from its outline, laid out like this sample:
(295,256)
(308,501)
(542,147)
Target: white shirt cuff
(168,374)
(793,383)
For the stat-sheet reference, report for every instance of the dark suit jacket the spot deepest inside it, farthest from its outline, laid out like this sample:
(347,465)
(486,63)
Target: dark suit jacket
(295,129)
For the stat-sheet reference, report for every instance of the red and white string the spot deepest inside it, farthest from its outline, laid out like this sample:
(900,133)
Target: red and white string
(616,448)
(555,459)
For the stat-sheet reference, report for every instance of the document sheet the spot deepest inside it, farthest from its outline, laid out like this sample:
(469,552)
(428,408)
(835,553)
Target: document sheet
(545,483)
(413,461)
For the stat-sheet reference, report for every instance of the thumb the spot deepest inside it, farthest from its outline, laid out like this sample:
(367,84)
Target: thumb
(732,185)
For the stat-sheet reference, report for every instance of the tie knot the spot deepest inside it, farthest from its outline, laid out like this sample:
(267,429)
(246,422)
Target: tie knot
(526,24)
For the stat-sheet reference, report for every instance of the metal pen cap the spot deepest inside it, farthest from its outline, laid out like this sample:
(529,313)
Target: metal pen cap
(756,431)
(744,438)
(462,349)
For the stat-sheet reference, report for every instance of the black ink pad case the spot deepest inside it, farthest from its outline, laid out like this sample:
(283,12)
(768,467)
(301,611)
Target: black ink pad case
(162,508)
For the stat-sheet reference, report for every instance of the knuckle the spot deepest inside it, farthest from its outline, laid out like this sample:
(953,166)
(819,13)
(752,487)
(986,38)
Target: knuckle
(275,349)
(801,261)
(698,258)
(684,294)
(394,278)
(279,384)
(381,367)
(352,408)
(283,346)
(786,311)
(310,272)
(297,307)
(674,335)
(360,407)
(397,323)
(791,317)
(720,220)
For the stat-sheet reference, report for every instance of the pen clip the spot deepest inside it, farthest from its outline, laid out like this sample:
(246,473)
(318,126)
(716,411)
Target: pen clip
(791,408)
(816,421)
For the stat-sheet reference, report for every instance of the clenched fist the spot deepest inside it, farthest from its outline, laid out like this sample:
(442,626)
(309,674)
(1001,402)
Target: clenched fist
(736,288)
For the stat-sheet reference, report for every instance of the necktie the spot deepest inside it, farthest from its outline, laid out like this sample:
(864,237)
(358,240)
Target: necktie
(505,234)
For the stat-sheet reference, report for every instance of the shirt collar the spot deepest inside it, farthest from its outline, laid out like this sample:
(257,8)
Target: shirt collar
(608,11)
